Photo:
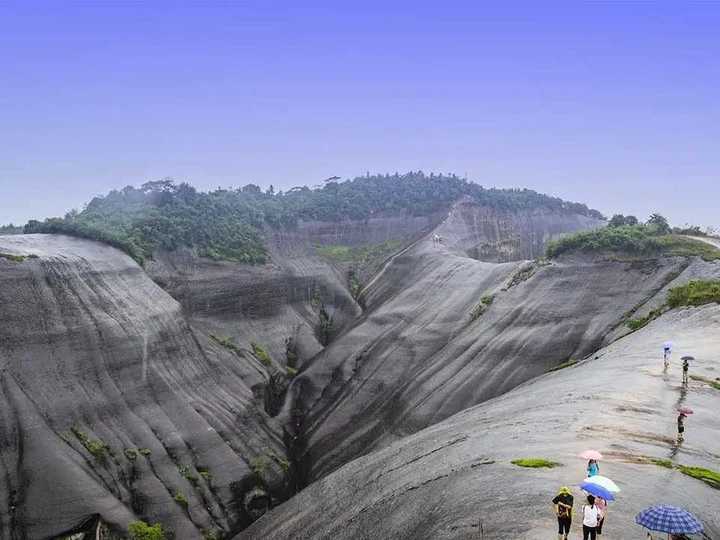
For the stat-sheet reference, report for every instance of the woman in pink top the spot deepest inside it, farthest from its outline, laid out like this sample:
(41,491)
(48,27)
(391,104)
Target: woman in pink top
(602,507)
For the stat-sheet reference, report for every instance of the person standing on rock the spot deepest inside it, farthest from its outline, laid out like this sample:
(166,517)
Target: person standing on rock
(593,469)
(686,368)
(667,349)
(591,517)
(681,427)
(602,509)
(563,502)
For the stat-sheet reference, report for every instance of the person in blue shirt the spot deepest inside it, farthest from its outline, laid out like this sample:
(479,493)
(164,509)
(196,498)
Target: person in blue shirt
(593,468)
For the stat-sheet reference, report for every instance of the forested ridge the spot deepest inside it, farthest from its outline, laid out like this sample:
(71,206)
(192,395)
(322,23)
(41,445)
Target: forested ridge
(229,223)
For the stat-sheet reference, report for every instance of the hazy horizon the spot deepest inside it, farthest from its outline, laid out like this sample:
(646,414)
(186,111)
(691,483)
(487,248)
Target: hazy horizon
(612,105)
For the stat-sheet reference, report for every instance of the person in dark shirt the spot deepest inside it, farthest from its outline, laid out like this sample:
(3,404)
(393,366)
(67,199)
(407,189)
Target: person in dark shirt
(681,427)
(563,502)
(686,367)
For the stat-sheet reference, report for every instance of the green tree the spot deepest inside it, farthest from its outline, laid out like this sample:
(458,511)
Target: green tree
(139,530)
(659,223)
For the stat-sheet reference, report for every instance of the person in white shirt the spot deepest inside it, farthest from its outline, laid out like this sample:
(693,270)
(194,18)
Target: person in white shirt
(591,516)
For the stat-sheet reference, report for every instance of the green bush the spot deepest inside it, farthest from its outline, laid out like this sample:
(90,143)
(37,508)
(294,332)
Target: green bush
(97,448)
(261,354)
(145,452)
(636,240)
(139,530)
(535,463)
(131,453)
(694,293)
(181,499)
(12,258)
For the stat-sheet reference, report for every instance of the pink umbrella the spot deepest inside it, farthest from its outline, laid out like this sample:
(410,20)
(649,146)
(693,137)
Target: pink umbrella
(685,410)
(591,454)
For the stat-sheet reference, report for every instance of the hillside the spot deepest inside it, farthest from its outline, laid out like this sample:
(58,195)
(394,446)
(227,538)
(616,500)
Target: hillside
(198,391)
(455,479)
(231,224)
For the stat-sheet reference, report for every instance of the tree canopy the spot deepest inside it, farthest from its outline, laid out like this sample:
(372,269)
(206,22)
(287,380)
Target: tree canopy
(230,223)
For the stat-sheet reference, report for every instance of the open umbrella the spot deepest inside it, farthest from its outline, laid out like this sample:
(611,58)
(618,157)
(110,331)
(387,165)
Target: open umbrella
(685,410)
(605,482)
(597,490)
(591,454)
(669,519)
(688,358)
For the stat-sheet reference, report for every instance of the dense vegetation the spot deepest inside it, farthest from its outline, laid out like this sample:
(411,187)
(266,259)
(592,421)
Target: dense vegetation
(655,237)
(693,293)
(229,224)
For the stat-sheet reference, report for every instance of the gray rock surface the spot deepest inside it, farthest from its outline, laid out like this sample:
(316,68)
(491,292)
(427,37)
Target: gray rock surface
(92,350)
(418,355)
(455,479)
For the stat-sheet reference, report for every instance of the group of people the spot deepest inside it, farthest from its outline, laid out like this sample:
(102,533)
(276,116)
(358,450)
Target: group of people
(594,509)
(667,351)
(593,512)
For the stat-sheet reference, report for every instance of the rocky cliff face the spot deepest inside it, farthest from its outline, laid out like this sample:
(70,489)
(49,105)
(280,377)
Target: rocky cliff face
(455,480)
(124,398)
(113,405)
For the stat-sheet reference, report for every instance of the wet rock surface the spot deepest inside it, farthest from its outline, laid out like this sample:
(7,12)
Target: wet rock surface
(122,398)
(455,479)
(112,404)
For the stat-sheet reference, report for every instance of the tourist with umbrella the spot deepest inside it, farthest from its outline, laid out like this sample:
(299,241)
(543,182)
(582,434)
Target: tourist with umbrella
(593,456)
(684,412)
(667,349)
(686,367)
(669,519)
(600,501)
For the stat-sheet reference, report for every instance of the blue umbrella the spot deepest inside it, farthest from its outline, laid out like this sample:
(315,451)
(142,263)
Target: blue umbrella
(669,519)
(597,490)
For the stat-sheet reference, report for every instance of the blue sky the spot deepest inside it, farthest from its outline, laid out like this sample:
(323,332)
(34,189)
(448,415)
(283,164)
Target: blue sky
(615,104)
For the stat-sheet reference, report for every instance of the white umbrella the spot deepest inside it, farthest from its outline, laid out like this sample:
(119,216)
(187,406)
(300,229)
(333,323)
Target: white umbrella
(604,481)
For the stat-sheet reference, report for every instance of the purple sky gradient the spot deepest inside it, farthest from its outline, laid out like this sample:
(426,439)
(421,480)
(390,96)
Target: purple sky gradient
(615,104)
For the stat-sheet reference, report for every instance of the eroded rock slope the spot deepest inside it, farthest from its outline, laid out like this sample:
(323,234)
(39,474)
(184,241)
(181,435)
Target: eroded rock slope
(455,479)
(112,405)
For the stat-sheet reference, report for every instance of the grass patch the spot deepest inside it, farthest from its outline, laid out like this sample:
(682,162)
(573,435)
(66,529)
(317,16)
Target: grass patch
(144,452)
(259,465)
(695,293)
(678,246)
(13,258)
(181,499)
(225,342)
(564,365)
(261,354)
(359,254)
(638,240)
(485,302)
(535,463)
(710,477)
(186,472)
(666,463)
(139,530)
(97,448)
(131,454)
(291,371)
(715,384)
(637,324)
